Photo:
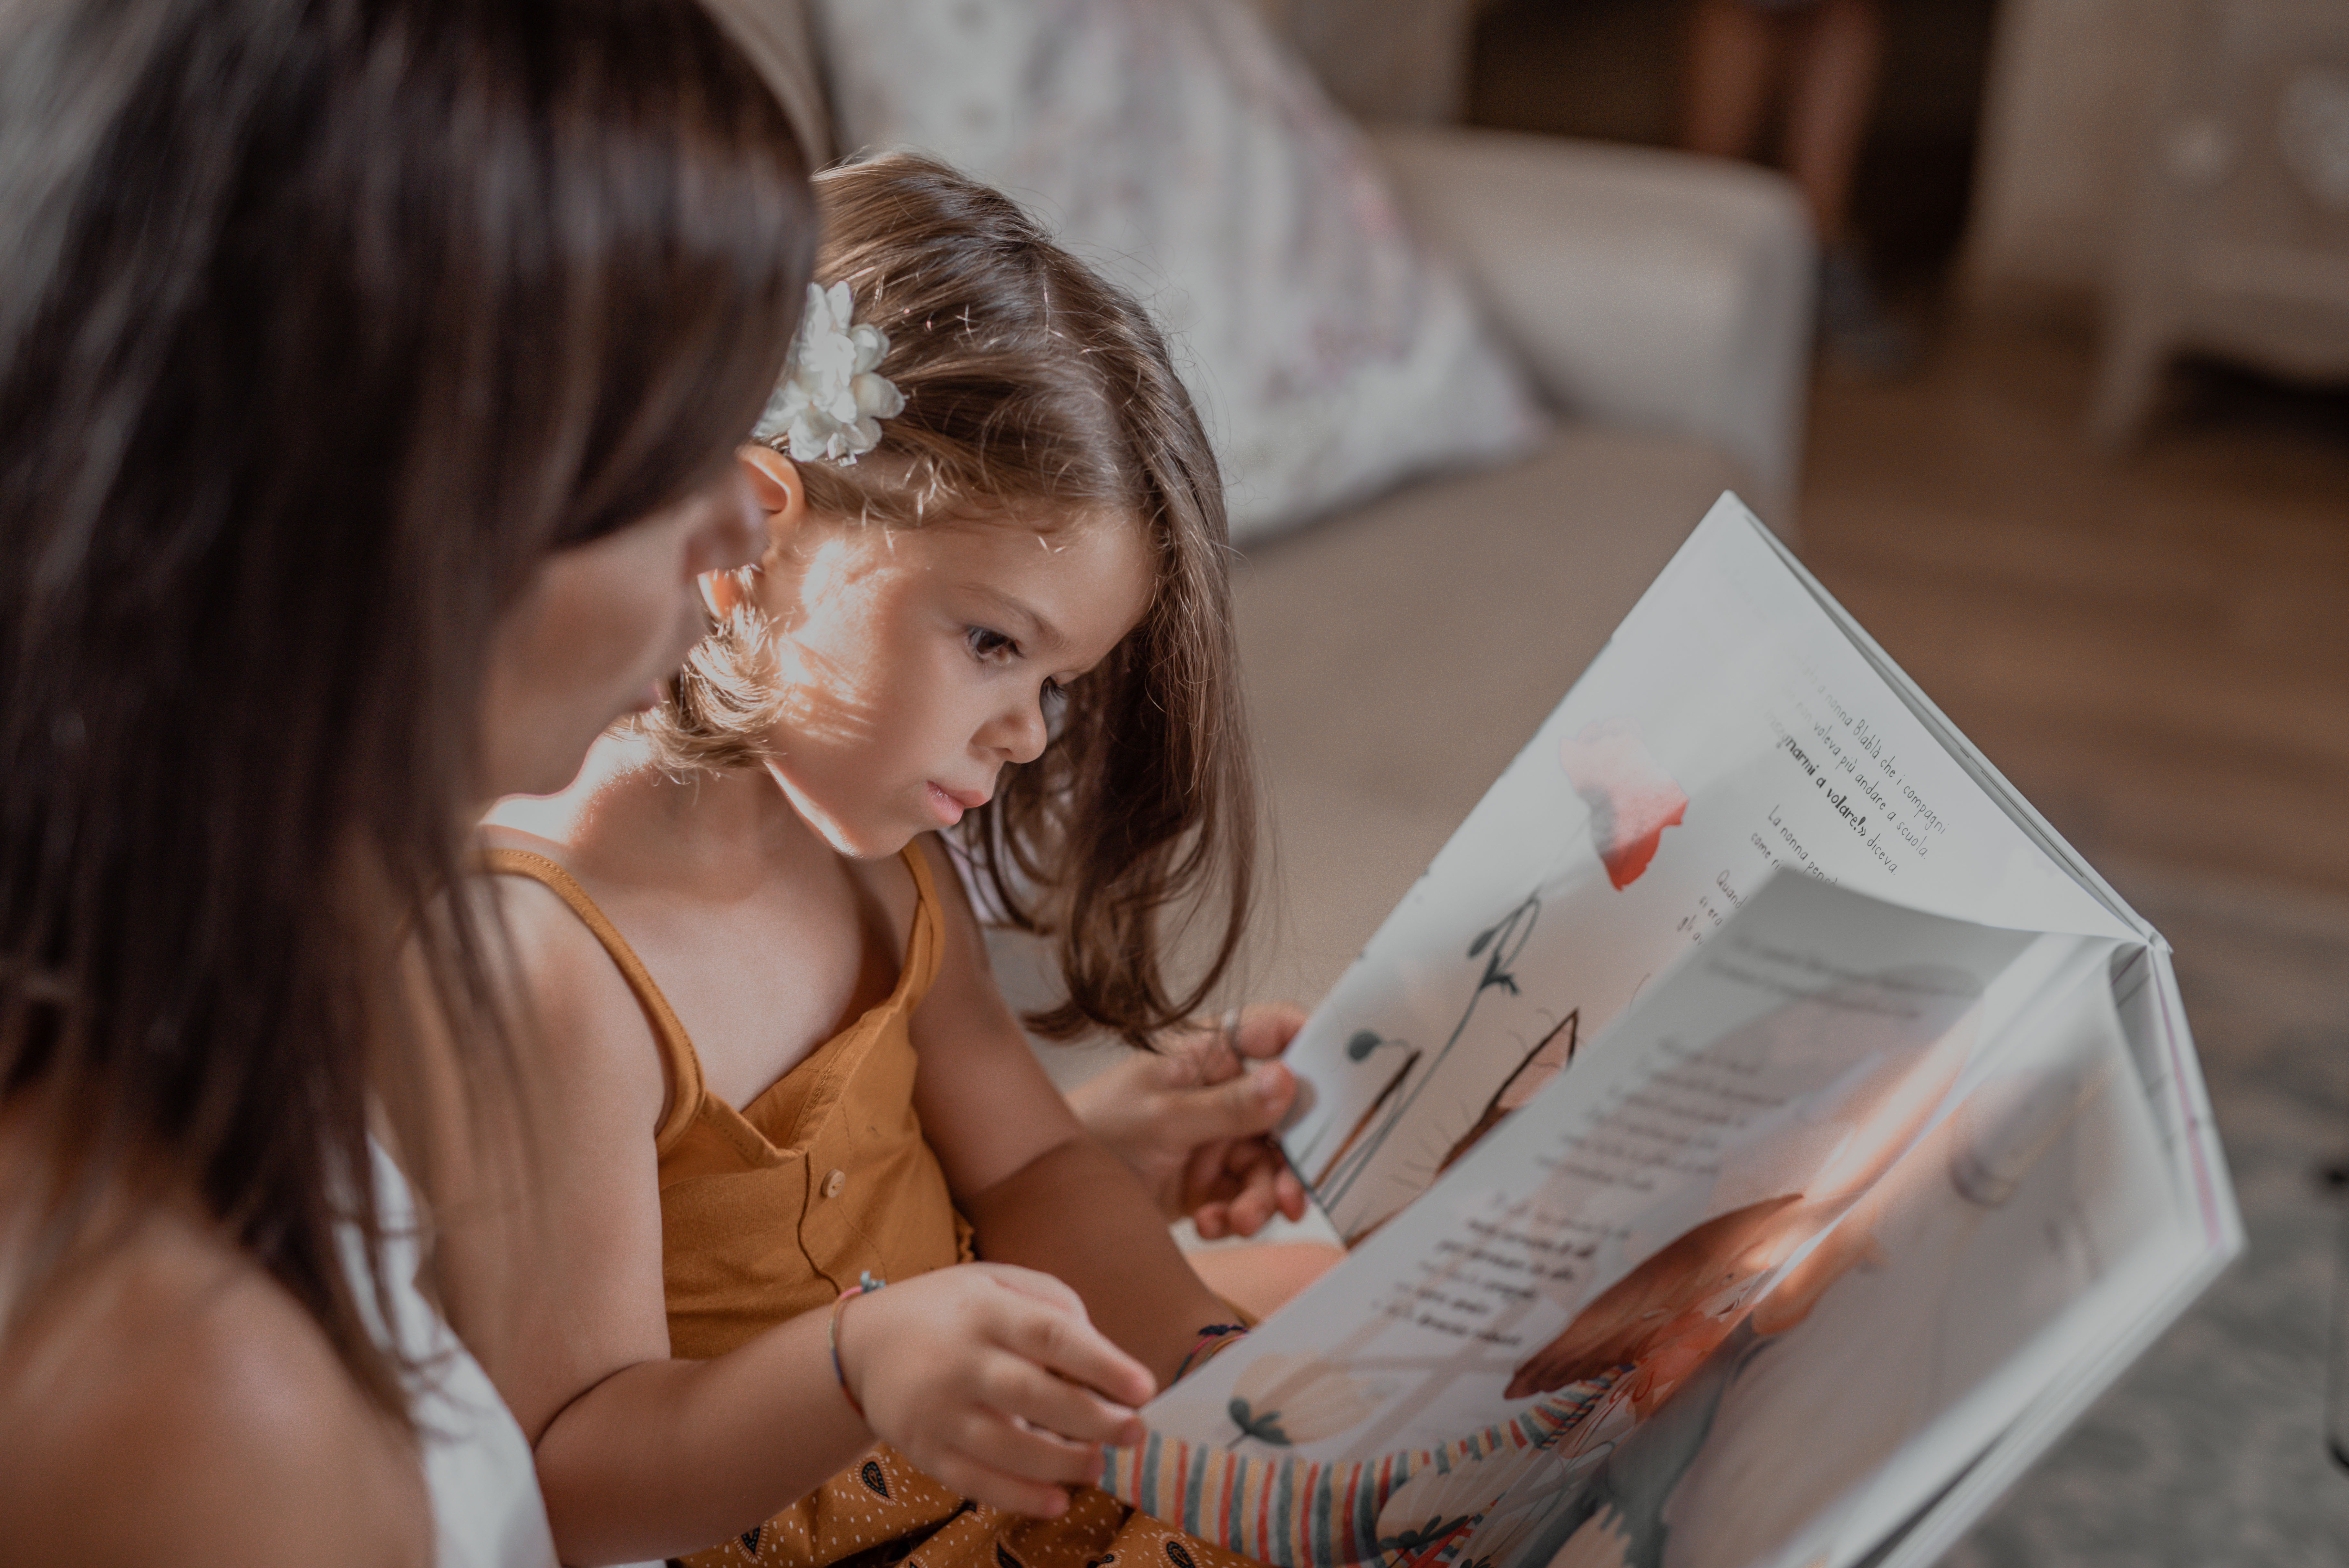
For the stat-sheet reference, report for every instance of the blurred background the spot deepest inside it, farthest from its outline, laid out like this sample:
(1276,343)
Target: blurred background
(2150,633)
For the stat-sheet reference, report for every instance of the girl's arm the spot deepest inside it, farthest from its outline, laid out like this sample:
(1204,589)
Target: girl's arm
(1039,1189)
(550,1259)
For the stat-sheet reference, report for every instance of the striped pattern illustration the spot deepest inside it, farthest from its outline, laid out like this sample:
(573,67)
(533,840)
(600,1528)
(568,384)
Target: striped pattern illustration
(1295,1513)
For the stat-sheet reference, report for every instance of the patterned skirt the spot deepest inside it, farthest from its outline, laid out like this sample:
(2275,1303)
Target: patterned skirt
(881,1512)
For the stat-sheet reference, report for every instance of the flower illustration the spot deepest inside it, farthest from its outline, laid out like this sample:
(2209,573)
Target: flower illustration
(1433,1515)
(1282,1400)
(1631,798)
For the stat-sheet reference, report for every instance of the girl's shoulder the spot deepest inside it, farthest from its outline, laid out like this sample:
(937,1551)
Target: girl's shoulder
(581,1004)
(533,889)
(171,1386)
(557,860)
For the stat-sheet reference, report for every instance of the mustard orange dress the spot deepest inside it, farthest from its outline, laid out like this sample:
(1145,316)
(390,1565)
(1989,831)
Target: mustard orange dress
(773,1210)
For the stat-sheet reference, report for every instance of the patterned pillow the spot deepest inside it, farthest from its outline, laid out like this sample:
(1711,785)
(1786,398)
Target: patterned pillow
(1175,146)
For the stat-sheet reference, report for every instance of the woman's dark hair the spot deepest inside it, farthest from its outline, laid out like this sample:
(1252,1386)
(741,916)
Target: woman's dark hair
(322,322)
(1034,389)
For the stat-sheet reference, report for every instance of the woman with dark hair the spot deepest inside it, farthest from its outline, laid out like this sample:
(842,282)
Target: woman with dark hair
(368,376)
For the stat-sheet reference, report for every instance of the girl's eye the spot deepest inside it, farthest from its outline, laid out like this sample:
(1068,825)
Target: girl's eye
(1055,696)
(988,648)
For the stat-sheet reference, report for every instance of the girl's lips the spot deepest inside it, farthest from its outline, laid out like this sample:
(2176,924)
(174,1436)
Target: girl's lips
(950,804)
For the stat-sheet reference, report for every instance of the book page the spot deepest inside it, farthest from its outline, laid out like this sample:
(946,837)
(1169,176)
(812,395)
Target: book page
(1638,1206)
(1994,1258)
(1729,729)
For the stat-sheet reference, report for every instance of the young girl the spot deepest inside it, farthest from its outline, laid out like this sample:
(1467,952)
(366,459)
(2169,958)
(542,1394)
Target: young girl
(783,1107)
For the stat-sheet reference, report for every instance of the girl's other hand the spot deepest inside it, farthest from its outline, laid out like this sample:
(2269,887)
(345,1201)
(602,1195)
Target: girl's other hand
(992,1380)
(1193,1121)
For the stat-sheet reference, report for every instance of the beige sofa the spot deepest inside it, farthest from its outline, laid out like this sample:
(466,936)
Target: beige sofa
(1398,654)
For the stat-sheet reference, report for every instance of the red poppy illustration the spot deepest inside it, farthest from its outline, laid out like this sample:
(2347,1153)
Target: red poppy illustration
(1631,798)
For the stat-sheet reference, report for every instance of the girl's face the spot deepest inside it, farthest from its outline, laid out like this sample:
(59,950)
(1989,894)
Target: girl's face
(600,625)
(919,661)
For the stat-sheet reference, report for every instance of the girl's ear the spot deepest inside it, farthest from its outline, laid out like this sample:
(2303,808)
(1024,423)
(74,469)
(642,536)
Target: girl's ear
(774,481)
(775,487)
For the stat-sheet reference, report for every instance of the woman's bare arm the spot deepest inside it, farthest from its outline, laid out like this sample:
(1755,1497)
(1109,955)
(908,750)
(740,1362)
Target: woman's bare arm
(172,1402)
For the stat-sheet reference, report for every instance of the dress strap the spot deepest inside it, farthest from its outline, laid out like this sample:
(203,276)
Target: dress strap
(678,1060)
(925,943)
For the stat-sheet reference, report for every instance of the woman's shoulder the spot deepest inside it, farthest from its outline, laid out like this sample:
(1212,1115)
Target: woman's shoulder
(171,1392)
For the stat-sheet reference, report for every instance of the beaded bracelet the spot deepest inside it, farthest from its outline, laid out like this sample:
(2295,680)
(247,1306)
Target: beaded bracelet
(1213,1339)
(864,1283)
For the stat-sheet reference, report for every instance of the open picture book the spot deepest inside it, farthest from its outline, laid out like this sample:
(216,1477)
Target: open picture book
(1757,1134)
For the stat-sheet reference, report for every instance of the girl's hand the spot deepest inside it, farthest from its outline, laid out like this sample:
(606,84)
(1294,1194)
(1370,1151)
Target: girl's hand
(1193,1120)
(992,1380)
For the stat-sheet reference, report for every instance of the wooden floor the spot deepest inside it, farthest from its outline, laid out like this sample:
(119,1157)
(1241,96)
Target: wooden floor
(2154,647)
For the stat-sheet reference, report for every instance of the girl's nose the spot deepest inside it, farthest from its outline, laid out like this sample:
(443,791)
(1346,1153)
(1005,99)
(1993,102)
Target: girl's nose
(1023,732)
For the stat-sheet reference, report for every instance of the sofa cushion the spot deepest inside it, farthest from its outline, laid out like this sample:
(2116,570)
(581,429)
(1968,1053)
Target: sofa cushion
(1641,286)
(1178,147)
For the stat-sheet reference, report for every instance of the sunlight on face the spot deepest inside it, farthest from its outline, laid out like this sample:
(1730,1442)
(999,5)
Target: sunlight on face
(916,663)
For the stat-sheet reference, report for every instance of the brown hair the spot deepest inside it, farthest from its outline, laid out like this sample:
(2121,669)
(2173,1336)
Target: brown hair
(1030,380)
(322,322)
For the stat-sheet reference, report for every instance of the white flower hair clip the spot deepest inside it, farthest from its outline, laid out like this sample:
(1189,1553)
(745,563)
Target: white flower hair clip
(831,401)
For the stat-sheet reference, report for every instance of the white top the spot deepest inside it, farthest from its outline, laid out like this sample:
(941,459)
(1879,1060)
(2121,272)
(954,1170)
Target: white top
(486,1512)
(486,1507)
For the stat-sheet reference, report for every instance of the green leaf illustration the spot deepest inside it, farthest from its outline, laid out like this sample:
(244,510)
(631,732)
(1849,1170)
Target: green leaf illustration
(1431,1534)
(1264,1429)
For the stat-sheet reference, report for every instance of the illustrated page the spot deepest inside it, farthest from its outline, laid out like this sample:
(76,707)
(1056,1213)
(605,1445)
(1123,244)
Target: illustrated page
(1635,1209)
(1729,729)
(1996,1255)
